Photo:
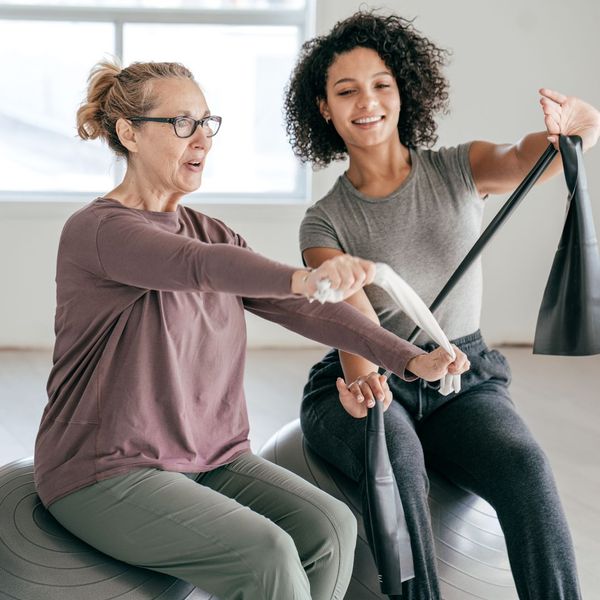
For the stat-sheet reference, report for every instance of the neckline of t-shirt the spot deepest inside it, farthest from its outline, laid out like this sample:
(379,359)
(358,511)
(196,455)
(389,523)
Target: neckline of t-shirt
(150,213)
(414,162)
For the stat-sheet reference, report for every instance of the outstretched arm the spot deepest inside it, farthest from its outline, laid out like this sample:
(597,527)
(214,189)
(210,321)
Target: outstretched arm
(341,326)
(499,168)
(160,260)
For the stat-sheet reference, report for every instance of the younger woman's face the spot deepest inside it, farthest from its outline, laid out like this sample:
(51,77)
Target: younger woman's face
(363,101)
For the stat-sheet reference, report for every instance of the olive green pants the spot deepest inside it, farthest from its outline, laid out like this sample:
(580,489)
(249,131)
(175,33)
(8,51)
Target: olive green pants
(248,530)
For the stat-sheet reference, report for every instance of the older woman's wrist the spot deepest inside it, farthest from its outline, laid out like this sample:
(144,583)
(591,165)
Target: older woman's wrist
(299,281)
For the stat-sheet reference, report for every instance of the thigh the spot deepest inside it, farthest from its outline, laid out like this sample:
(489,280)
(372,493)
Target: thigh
(328,429)
(308,514)
(480,441)
(332,433)
(340,438)
(322,528)
(404,446)
(167,522)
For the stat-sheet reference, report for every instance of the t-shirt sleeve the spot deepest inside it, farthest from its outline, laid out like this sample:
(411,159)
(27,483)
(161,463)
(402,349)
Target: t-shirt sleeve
(133,252)
(454,162)
(317,230)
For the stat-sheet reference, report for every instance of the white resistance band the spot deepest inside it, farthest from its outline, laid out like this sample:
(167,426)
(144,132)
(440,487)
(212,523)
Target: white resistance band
(410,302)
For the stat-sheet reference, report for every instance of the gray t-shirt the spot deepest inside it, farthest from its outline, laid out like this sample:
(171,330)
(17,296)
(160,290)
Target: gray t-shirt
(422,230)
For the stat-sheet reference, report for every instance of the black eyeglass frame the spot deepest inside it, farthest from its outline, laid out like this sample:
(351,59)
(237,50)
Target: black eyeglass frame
(174,120)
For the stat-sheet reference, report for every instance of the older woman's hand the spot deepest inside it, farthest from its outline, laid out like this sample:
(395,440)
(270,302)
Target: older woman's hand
(361,394)
(438,363)
(347,274)
(568,115)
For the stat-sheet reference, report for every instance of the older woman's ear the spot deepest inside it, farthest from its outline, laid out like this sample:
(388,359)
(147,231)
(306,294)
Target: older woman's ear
(126,134)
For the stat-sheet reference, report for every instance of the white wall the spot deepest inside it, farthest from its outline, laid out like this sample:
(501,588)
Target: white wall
(502,53)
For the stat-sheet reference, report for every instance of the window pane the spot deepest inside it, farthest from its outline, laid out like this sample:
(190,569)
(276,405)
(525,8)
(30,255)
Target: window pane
(43,84)
(242,71)
(188,4)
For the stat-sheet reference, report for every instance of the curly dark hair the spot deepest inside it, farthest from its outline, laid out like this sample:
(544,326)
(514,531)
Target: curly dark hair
(415,62)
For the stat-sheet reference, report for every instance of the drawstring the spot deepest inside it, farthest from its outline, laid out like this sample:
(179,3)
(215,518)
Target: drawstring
(423,385)
(421,388)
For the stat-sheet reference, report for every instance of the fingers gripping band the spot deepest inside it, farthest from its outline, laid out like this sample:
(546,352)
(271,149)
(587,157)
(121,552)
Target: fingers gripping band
(325,293)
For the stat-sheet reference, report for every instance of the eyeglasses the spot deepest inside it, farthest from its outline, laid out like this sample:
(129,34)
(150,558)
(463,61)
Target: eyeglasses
(185,127)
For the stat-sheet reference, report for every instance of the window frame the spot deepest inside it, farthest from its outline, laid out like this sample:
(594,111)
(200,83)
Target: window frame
(302,18)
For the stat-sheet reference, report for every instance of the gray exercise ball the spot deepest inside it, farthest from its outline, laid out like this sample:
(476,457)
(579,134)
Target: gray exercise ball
(40,560)
(472,561)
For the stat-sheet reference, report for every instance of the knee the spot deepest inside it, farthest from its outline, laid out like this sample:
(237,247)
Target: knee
(337,527)
(277,549)
(346,527)
(272,570)
(528,465)
(411,476)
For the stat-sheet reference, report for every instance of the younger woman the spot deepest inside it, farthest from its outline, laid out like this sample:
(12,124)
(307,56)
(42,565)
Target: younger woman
(369,90)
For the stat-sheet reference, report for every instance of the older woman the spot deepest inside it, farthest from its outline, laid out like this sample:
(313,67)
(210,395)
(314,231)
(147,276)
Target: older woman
(369,90)
(143,448)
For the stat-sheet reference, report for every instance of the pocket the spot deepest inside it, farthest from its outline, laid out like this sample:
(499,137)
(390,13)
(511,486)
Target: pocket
(494,365)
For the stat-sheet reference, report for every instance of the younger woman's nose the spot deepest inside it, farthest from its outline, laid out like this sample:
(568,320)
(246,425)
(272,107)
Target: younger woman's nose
(367,100)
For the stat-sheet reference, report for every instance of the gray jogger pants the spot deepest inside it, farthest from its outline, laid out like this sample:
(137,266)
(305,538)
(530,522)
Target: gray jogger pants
(475,438)
(249,530)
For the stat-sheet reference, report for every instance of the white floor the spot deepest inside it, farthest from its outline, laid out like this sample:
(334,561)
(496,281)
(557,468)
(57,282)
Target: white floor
(558,397)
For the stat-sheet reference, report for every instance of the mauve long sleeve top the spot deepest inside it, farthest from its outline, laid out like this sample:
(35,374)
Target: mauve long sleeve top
(148,363)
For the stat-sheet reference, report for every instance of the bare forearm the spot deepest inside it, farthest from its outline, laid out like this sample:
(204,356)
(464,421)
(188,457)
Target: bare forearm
(355,366)
(499,168)
(528,150)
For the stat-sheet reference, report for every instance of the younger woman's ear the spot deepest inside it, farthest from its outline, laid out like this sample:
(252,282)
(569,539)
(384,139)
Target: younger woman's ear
(126,134)
(324,110)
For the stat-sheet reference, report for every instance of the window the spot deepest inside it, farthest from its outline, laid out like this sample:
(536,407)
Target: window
(240,51)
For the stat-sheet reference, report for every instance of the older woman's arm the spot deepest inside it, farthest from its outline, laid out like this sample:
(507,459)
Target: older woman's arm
(341,326)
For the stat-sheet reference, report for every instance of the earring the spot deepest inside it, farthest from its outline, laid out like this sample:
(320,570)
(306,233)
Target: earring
(327,119)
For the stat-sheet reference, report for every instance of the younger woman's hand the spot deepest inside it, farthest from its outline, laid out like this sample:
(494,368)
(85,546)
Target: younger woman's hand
(346,273)
(362,393)
(438,363)
(568,115)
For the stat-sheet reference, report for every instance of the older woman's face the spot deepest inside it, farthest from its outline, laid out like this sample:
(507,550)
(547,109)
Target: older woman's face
(168,163)
(363,100)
